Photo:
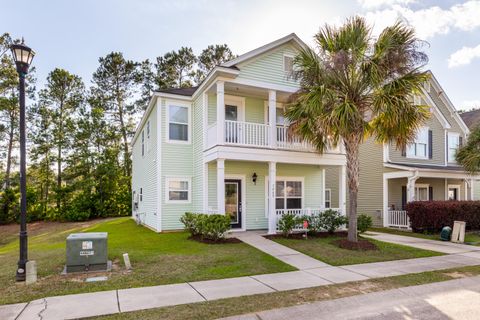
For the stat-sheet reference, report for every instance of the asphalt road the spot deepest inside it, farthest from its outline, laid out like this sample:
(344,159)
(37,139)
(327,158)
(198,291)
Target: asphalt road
(454,299)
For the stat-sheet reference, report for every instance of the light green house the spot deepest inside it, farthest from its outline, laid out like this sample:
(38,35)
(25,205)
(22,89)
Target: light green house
(223,148)
(426,170)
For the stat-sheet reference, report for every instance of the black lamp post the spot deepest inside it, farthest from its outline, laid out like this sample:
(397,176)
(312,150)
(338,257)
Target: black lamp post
(23,57)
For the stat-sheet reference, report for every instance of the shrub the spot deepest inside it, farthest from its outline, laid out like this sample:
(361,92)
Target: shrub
(432,216)
(364,222)
(331,220)
(207,226)
(287,222)
(314,223)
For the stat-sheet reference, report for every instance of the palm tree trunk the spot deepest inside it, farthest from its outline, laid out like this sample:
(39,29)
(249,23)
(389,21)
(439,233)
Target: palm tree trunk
(352,146)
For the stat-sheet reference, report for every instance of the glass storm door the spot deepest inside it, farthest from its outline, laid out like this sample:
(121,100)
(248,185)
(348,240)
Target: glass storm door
(232,129)
(233,202)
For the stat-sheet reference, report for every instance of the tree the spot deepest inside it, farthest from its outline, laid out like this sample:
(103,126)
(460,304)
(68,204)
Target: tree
(354,87)
(63,94)
(469,154)
(115,84)
(175,69)
(211,57)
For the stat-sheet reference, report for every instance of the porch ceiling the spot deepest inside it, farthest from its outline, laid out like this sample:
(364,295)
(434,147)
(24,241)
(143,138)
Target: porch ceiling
(250,91)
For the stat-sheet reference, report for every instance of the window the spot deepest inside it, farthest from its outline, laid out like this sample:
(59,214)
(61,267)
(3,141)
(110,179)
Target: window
(287,63)
(453,144)
(178,119)
(328,198)
(419,149)
(289,194)
(141,194)
(453,192)
(421,192)
(178,190)
(143,143)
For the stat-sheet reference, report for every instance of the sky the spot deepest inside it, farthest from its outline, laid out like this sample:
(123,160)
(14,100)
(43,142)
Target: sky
(74,34)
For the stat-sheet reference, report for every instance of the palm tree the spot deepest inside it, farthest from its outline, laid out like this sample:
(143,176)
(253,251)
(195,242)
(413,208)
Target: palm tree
(354,86)
(469,154)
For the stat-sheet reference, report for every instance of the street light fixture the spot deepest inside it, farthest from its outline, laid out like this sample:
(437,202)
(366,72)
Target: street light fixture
(23,56)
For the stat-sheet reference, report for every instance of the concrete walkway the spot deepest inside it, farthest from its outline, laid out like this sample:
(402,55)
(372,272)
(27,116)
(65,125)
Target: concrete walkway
(310,274)
(433,245)
(454,299)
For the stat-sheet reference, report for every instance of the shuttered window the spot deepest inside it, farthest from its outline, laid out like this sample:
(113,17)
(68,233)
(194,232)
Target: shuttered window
(420,148)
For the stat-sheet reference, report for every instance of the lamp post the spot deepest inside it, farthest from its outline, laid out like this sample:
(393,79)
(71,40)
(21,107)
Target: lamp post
(23,56)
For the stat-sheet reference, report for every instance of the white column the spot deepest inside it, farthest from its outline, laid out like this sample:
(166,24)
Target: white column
(446,188)
(272,117)
(342,190)
(220,112)
(466,189)
(324,187)
(471,189)
(221,186)
(411,189)
(272,178)
(205,120)
(385,202)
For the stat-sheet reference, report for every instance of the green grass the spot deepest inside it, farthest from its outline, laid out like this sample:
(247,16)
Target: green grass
(249,304)
(156,258)
(471,237)
(323,250)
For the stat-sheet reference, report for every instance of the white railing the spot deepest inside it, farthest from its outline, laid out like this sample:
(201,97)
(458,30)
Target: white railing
(300,213)
(246,133)
(398,219)
(288,141)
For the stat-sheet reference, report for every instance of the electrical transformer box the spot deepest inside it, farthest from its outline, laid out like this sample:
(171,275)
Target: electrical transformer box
(87,252)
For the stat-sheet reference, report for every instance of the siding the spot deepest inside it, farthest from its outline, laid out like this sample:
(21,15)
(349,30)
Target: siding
(332,175)
(254,110)
(177,161)
(269,67)
(197,140)
(144,173)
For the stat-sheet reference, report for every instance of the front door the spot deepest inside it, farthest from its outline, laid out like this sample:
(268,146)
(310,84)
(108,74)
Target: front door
(233,202)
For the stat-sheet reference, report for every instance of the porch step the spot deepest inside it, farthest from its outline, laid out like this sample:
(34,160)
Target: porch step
(287,255)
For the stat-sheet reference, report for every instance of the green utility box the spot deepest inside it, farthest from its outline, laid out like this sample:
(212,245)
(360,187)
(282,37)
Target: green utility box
(446,234)
(87,252)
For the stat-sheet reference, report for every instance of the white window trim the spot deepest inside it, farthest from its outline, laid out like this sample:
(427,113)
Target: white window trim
(167,121)
(452,134)
(287,55)
(325,198)
(149,133)
(427,148)
(454,186)
(284,178)
(422,185)
(142,146)
(167,190)
(236,101)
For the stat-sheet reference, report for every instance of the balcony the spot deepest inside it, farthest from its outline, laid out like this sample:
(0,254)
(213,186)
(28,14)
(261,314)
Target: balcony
(257,135)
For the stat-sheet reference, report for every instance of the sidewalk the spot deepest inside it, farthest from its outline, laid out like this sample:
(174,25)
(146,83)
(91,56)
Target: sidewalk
(453,299)
(311,274)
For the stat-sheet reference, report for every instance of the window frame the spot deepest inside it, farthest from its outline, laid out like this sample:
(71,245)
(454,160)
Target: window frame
(415,155)
(286,55)
(178,179)
(329,198)
(167,122)
(452,134)
(143,143)
(148,135)
(454,186)
(140,195)
(422,186)
(290,179)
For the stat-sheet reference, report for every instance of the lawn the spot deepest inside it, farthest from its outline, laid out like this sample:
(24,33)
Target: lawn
(323,250)
(471,237)
(156,258)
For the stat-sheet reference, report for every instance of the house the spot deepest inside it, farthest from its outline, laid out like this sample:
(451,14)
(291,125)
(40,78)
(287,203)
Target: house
(426,170)
(471,118)
(222,147)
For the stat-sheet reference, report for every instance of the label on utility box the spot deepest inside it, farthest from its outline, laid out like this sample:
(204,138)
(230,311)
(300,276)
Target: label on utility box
(87,245)
(87,253)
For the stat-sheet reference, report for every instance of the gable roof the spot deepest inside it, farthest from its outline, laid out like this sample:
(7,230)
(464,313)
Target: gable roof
(180,91)
(471,118)
(269,46)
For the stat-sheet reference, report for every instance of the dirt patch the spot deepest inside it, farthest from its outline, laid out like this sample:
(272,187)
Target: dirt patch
(301,235)
(360,245)
(209,241)
(458,275)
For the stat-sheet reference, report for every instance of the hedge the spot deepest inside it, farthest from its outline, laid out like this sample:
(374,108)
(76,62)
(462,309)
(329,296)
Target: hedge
(434,215)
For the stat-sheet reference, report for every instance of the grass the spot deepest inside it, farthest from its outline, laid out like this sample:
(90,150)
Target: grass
(248,304)
(156,258)
(323,250)
(471,237)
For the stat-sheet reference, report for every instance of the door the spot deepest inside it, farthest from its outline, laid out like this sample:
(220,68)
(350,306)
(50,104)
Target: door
(232,128)
(233,202)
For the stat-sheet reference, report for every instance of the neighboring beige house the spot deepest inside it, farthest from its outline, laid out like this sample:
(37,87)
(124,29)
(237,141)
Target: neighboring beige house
(426,170)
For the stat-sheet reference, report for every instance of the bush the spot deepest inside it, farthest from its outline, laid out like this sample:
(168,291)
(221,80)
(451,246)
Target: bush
(287,222)
(331,220)
(432,216)
(364,222)
(207,226)
(314,223)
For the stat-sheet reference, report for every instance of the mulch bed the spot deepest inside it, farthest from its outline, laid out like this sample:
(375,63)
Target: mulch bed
(209,241)
(301,235)
(361,245)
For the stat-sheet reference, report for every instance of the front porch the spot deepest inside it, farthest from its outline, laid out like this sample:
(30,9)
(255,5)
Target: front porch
(401,187)
(244,190)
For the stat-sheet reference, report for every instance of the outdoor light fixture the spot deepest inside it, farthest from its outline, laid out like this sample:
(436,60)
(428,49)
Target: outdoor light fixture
(23,56)
(254,178)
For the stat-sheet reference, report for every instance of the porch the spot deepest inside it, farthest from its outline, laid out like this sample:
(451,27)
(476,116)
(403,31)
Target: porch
(244,190)
(405,186)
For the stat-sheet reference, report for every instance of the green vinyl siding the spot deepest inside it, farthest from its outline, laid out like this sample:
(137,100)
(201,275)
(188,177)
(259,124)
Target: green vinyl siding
(144,172)
(268,67)
(254,110)
(212,108)
(332,182)
(197,140)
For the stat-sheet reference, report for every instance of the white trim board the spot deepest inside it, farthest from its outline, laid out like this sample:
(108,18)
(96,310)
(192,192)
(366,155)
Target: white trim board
(243,179)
